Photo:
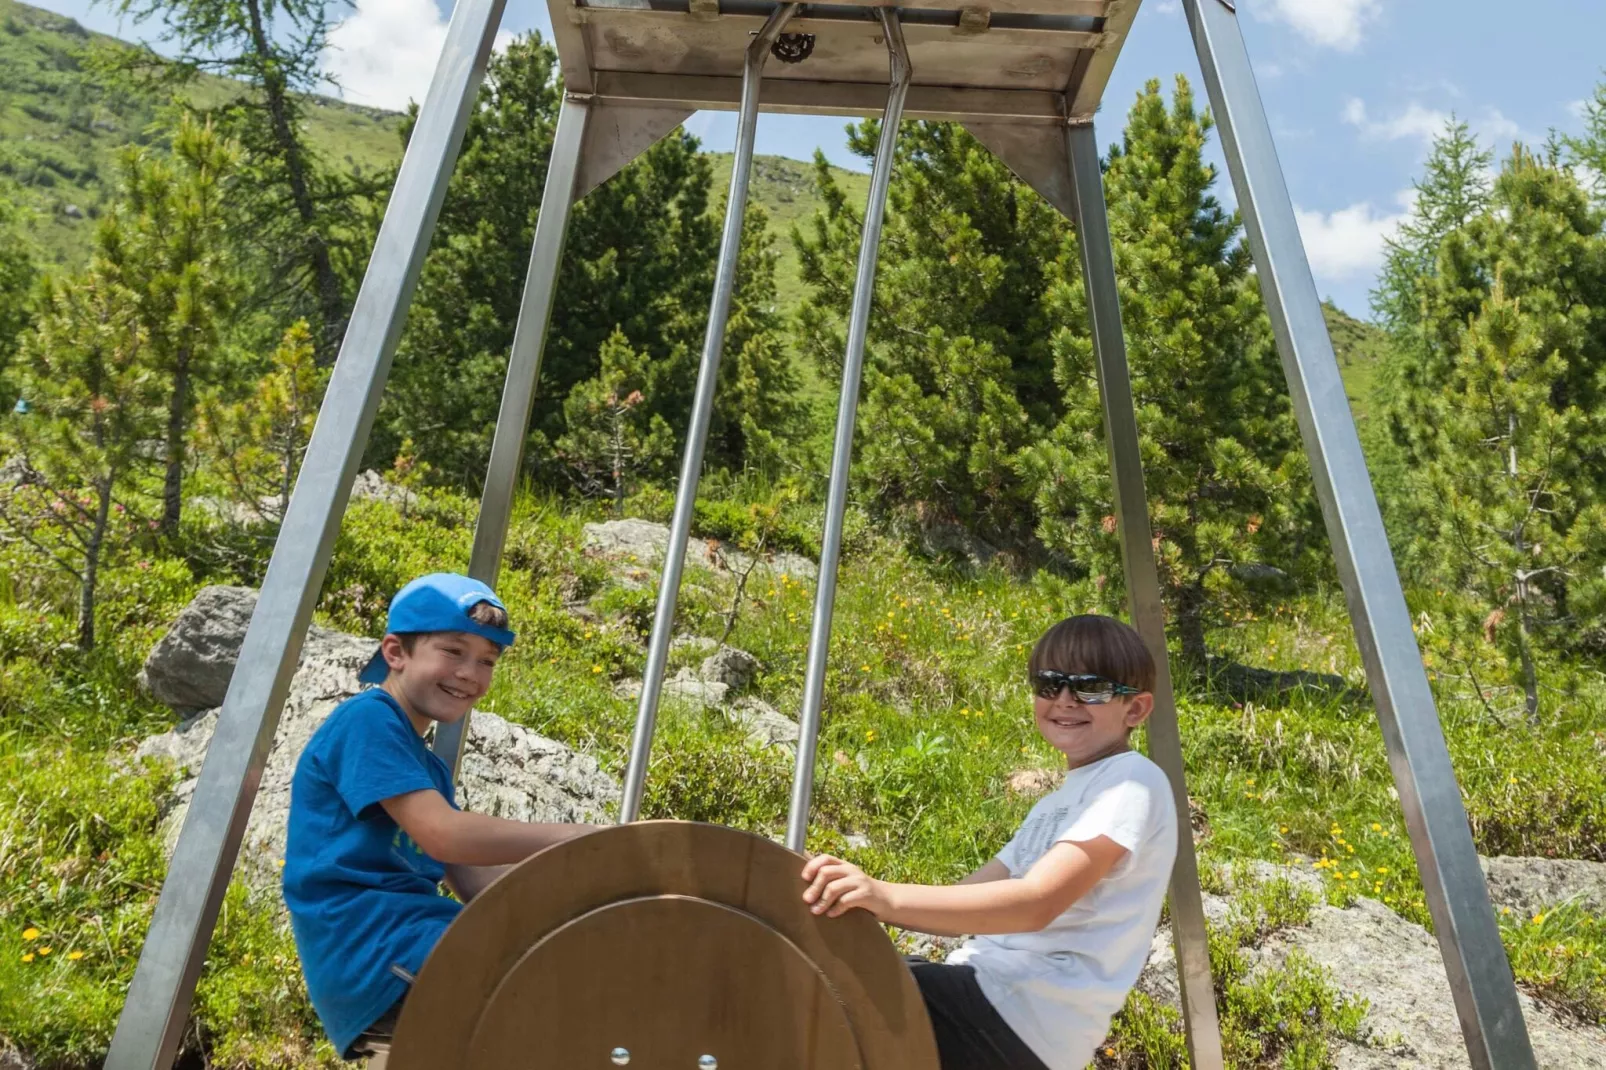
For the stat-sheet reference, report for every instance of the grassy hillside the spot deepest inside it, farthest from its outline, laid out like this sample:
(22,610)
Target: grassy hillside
(61,128)
(1359,346)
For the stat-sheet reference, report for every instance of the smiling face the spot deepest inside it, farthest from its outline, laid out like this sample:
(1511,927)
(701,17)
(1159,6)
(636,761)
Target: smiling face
(441,676)
(1085,733)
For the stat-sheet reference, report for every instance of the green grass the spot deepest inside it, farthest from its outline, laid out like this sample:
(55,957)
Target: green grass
(926,721)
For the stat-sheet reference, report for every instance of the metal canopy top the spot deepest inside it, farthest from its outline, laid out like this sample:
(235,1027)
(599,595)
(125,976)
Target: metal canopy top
(1040,61)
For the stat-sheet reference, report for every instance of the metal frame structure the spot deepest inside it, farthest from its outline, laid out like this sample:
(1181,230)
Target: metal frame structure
(1026,78)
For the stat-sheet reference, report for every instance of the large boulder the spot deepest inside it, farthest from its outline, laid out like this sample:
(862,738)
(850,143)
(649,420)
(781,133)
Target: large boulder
(189,669)
(1371,953)
(507,770)
(642,542)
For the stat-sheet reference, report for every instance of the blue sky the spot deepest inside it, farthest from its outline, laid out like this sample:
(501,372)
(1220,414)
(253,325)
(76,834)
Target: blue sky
(1355,89)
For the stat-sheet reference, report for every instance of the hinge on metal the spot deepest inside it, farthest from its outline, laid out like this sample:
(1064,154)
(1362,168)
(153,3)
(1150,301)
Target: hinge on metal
(1230,5)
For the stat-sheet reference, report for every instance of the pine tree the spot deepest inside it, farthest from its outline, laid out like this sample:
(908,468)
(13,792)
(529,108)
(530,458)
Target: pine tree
(295,213)
(254,444)
(171,252)
(639,260)
(1227,482)
(74,489)
(613,436)
(959,367)
(1514,530)
(1505,417)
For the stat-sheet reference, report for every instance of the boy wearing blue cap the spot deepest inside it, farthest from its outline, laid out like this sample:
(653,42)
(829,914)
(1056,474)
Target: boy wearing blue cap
(374,827)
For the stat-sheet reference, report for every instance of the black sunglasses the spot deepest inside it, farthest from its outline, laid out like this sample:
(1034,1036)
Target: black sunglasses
(1090,690)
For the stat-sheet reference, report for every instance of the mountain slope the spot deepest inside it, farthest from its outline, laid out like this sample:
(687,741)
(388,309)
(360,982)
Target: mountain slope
(61,128)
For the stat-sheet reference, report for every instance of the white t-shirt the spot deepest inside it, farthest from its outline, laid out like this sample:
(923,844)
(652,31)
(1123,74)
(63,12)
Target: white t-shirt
(1058,988)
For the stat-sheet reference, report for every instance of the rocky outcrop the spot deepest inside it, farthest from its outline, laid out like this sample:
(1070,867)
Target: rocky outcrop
(507,770)
(1531,885)
(732,667)
(642,542)
(189,669)
(1371,953)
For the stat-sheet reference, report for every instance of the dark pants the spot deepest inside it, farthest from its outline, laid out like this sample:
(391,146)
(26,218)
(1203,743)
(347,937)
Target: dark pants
(970,1034)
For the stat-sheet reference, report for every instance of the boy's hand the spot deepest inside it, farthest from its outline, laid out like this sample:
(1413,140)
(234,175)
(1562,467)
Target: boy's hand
(836,887)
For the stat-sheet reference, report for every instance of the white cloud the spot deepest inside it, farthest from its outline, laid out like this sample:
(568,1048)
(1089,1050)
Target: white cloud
(1415,122)
(1348,244)
(384,53)
(1330,23)
(1421,123)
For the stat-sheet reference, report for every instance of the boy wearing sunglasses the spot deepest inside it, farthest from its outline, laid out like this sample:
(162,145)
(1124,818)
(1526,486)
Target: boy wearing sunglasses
(1064,915)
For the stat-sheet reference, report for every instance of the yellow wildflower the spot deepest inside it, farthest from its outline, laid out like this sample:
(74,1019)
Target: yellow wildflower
(75,955)
(30,933)
(28,957)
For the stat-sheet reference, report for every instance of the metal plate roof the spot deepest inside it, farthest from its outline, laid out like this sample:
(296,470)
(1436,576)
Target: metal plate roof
(1014,60)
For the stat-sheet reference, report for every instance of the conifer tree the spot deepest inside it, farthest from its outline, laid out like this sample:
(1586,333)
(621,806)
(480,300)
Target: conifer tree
(170,252)
(254,444)
(1587,152)
(74,492)
(613,436)
(958,377)
(639,259)
(1506,395)
(297,214)
(1226,478)
(1514,529)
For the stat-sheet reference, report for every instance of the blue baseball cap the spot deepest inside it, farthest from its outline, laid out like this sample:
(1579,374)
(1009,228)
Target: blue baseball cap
(438,602)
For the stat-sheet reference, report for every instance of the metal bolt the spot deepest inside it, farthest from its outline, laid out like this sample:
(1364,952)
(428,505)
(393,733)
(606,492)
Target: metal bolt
(707,1062)
(620,1056)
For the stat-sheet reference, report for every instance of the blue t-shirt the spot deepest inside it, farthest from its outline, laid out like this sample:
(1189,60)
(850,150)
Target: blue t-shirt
(364,898)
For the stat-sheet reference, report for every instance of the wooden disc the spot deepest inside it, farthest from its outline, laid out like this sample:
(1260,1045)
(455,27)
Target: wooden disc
(668,980)
(498,940)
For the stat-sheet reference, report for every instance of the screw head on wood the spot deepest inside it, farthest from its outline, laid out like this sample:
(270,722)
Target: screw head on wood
(707,1062)
(620,1056)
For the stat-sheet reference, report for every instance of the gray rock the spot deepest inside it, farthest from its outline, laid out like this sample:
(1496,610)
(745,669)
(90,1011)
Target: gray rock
(1371,953)
(684,686)
(1530,885)
(14,1059)
(372,486)
(1268,579)
(693,645)
(642,542)
(732,667)
(72,211)
(951,541)
(190,667)
(766,726)
(507,770)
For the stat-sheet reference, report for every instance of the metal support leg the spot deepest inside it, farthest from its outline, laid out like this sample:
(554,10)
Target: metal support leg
(797,825)
(1143,586)
(1458,899)
(153,1018)
(523,371)
(691,468)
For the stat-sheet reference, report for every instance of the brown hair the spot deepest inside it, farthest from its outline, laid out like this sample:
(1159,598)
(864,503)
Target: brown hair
(485,613)
(1095,644)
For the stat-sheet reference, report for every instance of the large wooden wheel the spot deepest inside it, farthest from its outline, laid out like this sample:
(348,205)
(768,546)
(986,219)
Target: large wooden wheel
(662,945)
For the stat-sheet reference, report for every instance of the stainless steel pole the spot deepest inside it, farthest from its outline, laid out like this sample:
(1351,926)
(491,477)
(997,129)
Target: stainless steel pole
(154,1015)
(663,624)
(1457,896)
(797,826)
(1143,585)
(523,371)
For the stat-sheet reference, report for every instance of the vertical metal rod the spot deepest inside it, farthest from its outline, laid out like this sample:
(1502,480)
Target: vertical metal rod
(1457,896)
(663,623)
(523,371)
(1143,585)
(797,826)
(157,1007)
